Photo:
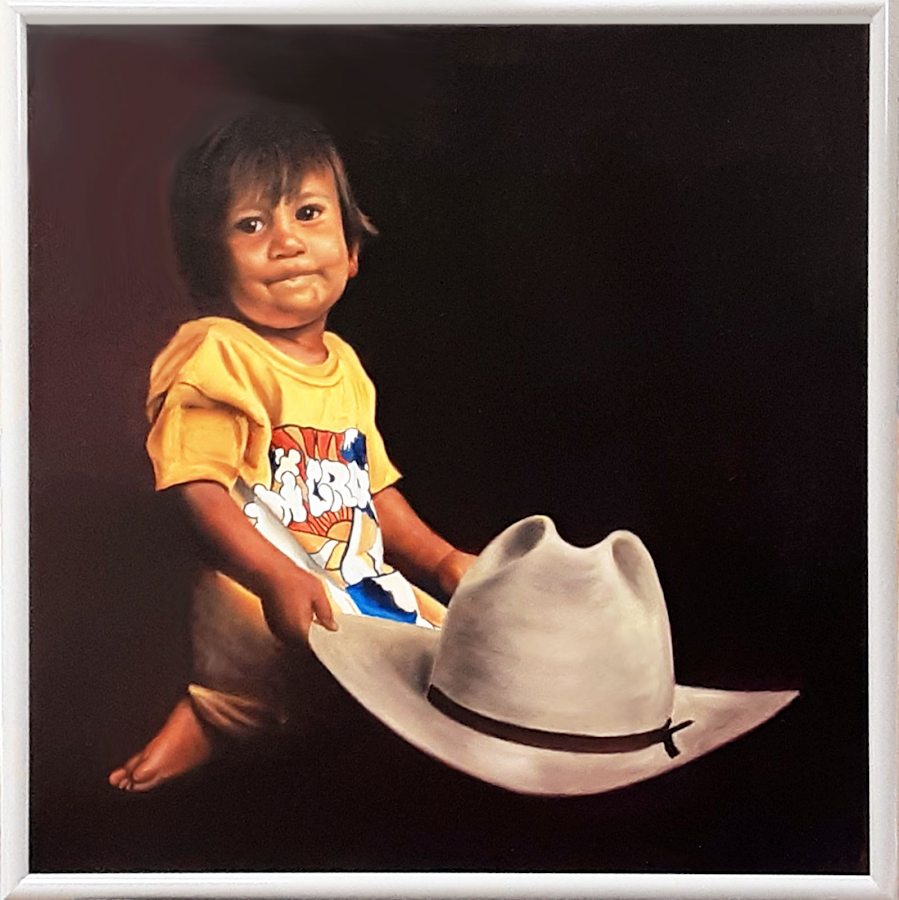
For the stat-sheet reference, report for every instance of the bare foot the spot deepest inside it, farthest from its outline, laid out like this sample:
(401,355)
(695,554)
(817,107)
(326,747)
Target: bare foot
(182,744)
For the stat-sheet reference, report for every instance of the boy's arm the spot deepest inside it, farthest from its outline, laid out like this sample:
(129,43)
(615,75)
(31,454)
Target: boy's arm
(289,595)
(414,548)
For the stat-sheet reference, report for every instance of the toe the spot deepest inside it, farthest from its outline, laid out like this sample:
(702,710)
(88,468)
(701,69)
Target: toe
(148,785)
(144,771)
(123,774)
(151,770)
(119,778)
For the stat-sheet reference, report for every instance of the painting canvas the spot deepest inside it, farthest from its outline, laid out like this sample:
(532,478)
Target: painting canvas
(620,281)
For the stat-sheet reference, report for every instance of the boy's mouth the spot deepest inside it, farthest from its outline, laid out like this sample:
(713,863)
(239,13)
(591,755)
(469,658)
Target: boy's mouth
(288,277)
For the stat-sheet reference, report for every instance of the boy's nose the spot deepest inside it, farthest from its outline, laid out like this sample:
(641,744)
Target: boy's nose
(286,243)
(286,239)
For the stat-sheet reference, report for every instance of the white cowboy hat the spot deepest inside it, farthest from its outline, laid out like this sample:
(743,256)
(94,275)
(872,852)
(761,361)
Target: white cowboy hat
(552,674)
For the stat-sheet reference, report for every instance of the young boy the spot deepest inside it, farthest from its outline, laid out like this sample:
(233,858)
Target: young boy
(263,422)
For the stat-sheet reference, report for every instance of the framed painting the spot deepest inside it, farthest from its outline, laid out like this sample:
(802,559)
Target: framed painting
(634,274)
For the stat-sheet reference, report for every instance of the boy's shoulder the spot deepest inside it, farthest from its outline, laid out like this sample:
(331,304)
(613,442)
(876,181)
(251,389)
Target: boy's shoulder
(194,332)
(189,341)
(226,358)
(217,329)
(215,338)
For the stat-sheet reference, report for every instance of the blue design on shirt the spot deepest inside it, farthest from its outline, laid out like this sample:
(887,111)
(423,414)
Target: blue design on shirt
(373,600)
(356,452)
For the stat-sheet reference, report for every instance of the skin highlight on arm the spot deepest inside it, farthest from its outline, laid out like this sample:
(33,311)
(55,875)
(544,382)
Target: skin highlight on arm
(290,597)
(414,548)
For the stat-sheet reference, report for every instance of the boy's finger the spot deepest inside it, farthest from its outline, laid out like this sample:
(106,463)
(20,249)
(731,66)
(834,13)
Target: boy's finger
(324,613)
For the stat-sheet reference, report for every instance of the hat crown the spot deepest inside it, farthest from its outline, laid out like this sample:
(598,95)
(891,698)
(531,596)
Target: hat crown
(548,636)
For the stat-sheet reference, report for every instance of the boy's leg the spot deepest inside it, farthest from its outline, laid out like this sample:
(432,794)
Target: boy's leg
(239,689)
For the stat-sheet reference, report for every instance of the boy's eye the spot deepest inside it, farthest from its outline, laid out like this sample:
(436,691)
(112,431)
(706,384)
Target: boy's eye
(308,212)
(249,225)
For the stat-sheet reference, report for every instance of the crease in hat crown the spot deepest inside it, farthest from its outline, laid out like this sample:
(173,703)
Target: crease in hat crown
(545,635)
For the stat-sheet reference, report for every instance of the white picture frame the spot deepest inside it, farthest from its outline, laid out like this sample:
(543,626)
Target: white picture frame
(18,883)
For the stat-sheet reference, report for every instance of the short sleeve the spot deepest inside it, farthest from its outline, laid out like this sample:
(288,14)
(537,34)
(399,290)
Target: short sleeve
(195,438)
(381,470)
(208,419)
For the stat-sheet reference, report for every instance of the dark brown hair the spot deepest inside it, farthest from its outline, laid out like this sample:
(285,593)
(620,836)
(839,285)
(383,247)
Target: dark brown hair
(266,150)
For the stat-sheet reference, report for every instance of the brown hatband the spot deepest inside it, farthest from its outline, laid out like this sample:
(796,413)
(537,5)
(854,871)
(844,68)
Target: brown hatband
(553,740)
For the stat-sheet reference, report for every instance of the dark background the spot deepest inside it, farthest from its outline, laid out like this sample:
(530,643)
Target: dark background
(620,281)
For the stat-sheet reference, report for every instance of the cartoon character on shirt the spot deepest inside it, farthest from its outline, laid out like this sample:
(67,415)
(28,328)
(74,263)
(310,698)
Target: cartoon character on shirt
(321,492)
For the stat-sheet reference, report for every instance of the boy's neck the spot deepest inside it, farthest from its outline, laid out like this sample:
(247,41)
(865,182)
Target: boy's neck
(305,343)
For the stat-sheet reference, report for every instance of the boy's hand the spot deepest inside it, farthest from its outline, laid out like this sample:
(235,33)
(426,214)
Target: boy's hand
(451,569)
(290,598)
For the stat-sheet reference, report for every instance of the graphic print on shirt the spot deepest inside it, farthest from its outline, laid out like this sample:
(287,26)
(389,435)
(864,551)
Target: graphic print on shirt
(321,491)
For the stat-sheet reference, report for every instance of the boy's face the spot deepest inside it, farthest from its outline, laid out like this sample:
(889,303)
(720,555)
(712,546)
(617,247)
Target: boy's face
(289,263)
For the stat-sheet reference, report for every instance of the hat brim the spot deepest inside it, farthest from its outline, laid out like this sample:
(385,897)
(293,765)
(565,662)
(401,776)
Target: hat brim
(386,666)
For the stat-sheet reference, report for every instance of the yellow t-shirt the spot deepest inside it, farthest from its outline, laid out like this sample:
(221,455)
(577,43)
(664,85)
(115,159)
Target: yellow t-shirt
(295,444)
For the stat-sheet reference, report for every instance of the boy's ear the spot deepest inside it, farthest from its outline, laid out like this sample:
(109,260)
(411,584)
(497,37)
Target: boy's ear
(354,262)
